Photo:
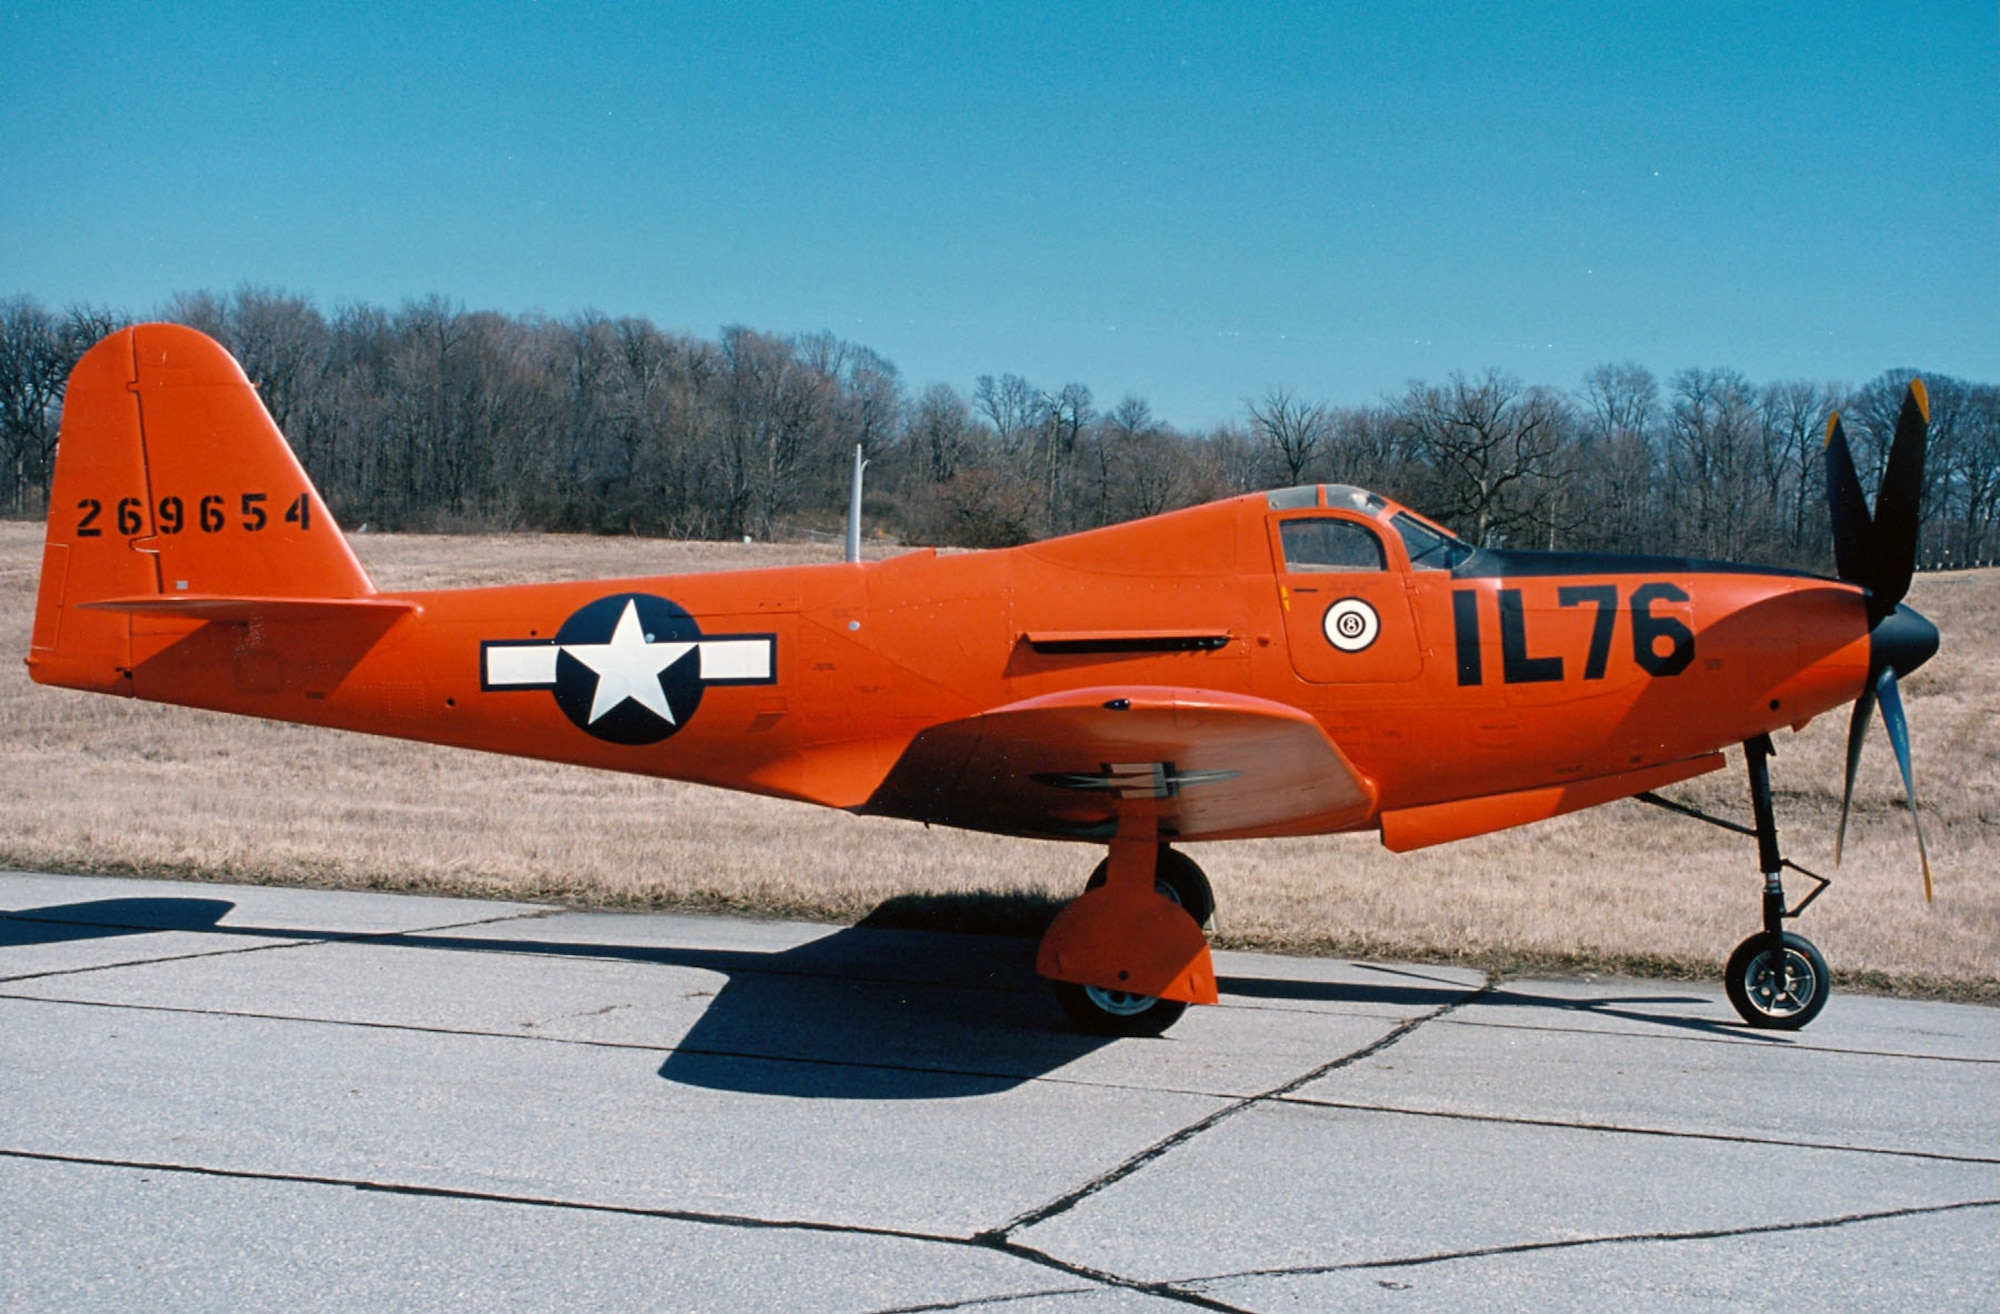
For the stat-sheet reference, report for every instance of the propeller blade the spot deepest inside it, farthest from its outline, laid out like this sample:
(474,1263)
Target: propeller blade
(1895,533)
(1852,527)
(1857,732)
(1899,739)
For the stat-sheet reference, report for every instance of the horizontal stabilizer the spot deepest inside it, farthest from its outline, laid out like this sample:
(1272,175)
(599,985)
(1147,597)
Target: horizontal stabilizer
(210,607)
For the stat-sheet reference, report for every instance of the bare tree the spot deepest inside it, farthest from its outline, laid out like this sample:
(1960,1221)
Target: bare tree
(1012,405)
(1064,415)
(1793,414)
(1963,472)
(37,351)
(1293,430)
(1495,449)
(941,428)
(1714,469)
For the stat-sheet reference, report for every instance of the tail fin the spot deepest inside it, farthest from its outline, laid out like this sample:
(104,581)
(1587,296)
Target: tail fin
(172,484)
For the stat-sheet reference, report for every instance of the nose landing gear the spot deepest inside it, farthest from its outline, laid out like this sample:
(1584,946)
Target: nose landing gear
(1777,980)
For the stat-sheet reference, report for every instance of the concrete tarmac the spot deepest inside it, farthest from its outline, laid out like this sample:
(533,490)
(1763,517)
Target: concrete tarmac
(219,1096)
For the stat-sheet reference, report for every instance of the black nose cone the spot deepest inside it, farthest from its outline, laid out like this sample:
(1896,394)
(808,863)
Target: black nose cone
(1903,641)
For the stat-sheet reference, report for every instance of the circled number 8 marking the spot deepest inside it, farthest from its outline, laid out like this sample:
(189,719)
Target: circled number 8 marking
(1351,625)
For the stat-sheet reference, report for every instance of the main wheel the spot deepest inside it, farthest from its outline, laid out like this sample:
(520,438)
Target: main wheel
(1779,987)
(1116,1012)
(1177,878)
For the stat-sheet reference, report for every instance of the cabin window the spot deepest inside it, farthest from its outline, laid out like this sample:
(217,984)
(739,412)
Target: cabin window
(1428,549)
(1330,545)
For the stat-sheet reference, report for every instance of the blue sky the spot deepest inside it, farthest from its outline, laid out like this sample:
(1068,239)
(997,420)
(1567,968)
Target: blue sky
(1191,203)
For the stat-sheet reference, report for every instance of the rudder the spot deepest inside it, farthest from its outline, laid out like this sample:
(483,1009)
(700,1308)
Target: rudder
(171,480)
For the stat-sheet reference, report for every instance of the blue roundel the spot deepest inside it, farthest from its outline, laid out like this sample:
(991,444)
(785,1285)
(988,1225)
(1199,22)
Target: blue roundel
(628,668)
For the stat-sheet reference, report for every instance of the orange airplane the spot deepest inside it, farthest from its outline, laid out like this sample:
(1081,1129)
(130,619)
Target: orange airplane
(1299,662)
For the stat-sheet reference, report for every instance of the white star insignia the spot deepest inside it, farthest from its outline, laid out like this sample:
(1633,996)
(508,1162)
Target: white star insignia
(629,667)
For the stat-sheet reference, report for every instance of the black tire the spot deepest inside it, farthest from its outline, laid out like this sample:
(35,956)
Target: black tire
(1777,990)
(1116,1013)
(1178,878)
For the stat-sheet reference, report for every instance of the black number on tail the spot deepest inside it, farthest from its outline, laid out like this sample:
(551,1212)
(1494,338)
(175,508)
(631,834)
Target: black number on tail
(254,518)
(171,515)
(300,511)
(91,509)
(211,514)
(129,520)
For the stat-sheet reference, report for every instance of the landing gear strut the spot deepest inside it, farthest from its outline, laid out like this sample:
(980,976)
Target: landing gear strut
(1177,878)
(1776,979)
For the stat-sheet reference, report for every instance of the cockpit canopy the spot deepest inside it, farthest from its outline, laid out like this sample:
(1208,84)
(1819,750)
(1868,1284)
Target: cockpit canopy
(1317,545)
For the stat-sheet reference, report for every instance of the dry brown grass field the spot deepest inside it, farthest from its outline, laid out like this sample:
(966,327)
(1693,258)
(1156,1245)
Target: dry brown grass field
(97,784)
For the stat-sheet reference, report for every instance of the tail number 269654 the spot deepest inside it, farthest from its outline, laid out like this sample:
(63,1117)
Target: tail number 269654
(210,514)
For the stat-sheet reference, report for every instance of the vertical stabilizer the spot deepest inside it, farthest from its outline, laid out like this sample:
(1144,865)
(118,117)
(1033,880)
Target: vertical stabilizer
(170,480)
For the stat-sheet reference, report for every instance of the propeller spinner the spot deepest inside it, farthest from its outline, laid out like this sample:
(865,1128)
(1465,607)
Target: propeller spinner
(1879,553)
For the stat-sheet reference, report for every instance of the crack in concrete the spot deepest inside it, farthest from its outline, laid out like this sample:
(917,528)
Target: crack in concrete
(978,1302)
(981,1242)
(1561,1124)
(1669,1031)
(1159,1149)
(281,941)
(635,1046)
(1574,1243)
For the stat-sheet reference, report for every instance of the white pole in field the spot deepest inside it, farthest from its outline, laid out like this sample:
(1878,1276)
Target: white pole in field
(854,508)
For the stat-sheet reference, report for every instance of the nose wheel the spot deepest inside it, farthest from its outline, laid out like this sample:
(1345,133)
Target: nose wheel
(1778,985)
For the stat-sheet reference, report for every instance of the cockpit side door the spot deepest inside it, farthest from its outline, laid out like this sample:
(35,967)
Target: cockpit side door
(1345,601)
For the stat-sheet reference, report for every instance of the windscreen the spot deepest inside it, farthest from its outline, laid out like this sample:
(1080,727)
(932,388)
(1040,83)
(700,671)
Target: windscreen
(1428,549)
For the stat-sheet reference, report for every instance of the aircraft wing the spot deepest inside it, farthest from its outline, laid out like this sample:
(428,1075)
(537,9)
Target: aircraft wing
(1197,763)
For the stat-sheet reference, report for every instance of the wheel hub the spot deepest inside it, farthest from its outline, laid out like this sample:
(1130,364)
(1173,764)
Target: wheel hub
(1781,984)
(1120,1003)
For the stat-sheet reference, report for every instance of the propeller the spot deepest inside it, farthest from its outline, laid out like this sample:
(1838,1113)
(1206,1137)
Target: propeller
(1879,553)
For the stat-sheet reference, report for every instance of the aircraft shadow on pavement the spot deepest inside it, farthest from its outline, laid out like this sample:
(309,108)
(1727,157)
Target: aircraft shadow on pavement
(104,918)
(863,1012)
(1435,992)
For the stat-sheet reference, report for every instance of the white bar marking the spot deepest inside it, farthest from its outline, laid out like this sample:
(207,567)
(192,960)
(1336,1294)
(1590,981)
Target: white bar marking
(525,664)
(735,659)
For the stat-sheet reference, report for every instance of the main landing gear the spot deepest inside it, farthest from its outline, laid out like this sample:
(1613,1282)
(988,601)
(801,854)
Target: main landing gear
(1129,956)
(1777,979)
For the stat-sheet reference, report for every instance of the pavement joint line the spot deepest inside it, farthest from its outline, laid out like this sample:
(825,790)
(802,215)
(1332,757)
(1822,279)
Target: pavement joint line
(1152,1153)
(1560,1124)
(1673,1029)
(281,941)
(1174,1291)
(745,1222)
(977,1302)
(416,938)
(1614,1239)
(633,1046)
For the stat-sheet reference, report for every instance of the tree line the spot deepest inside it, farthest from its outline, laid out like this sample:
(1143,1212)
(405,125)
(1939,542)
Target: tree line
(430,417)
